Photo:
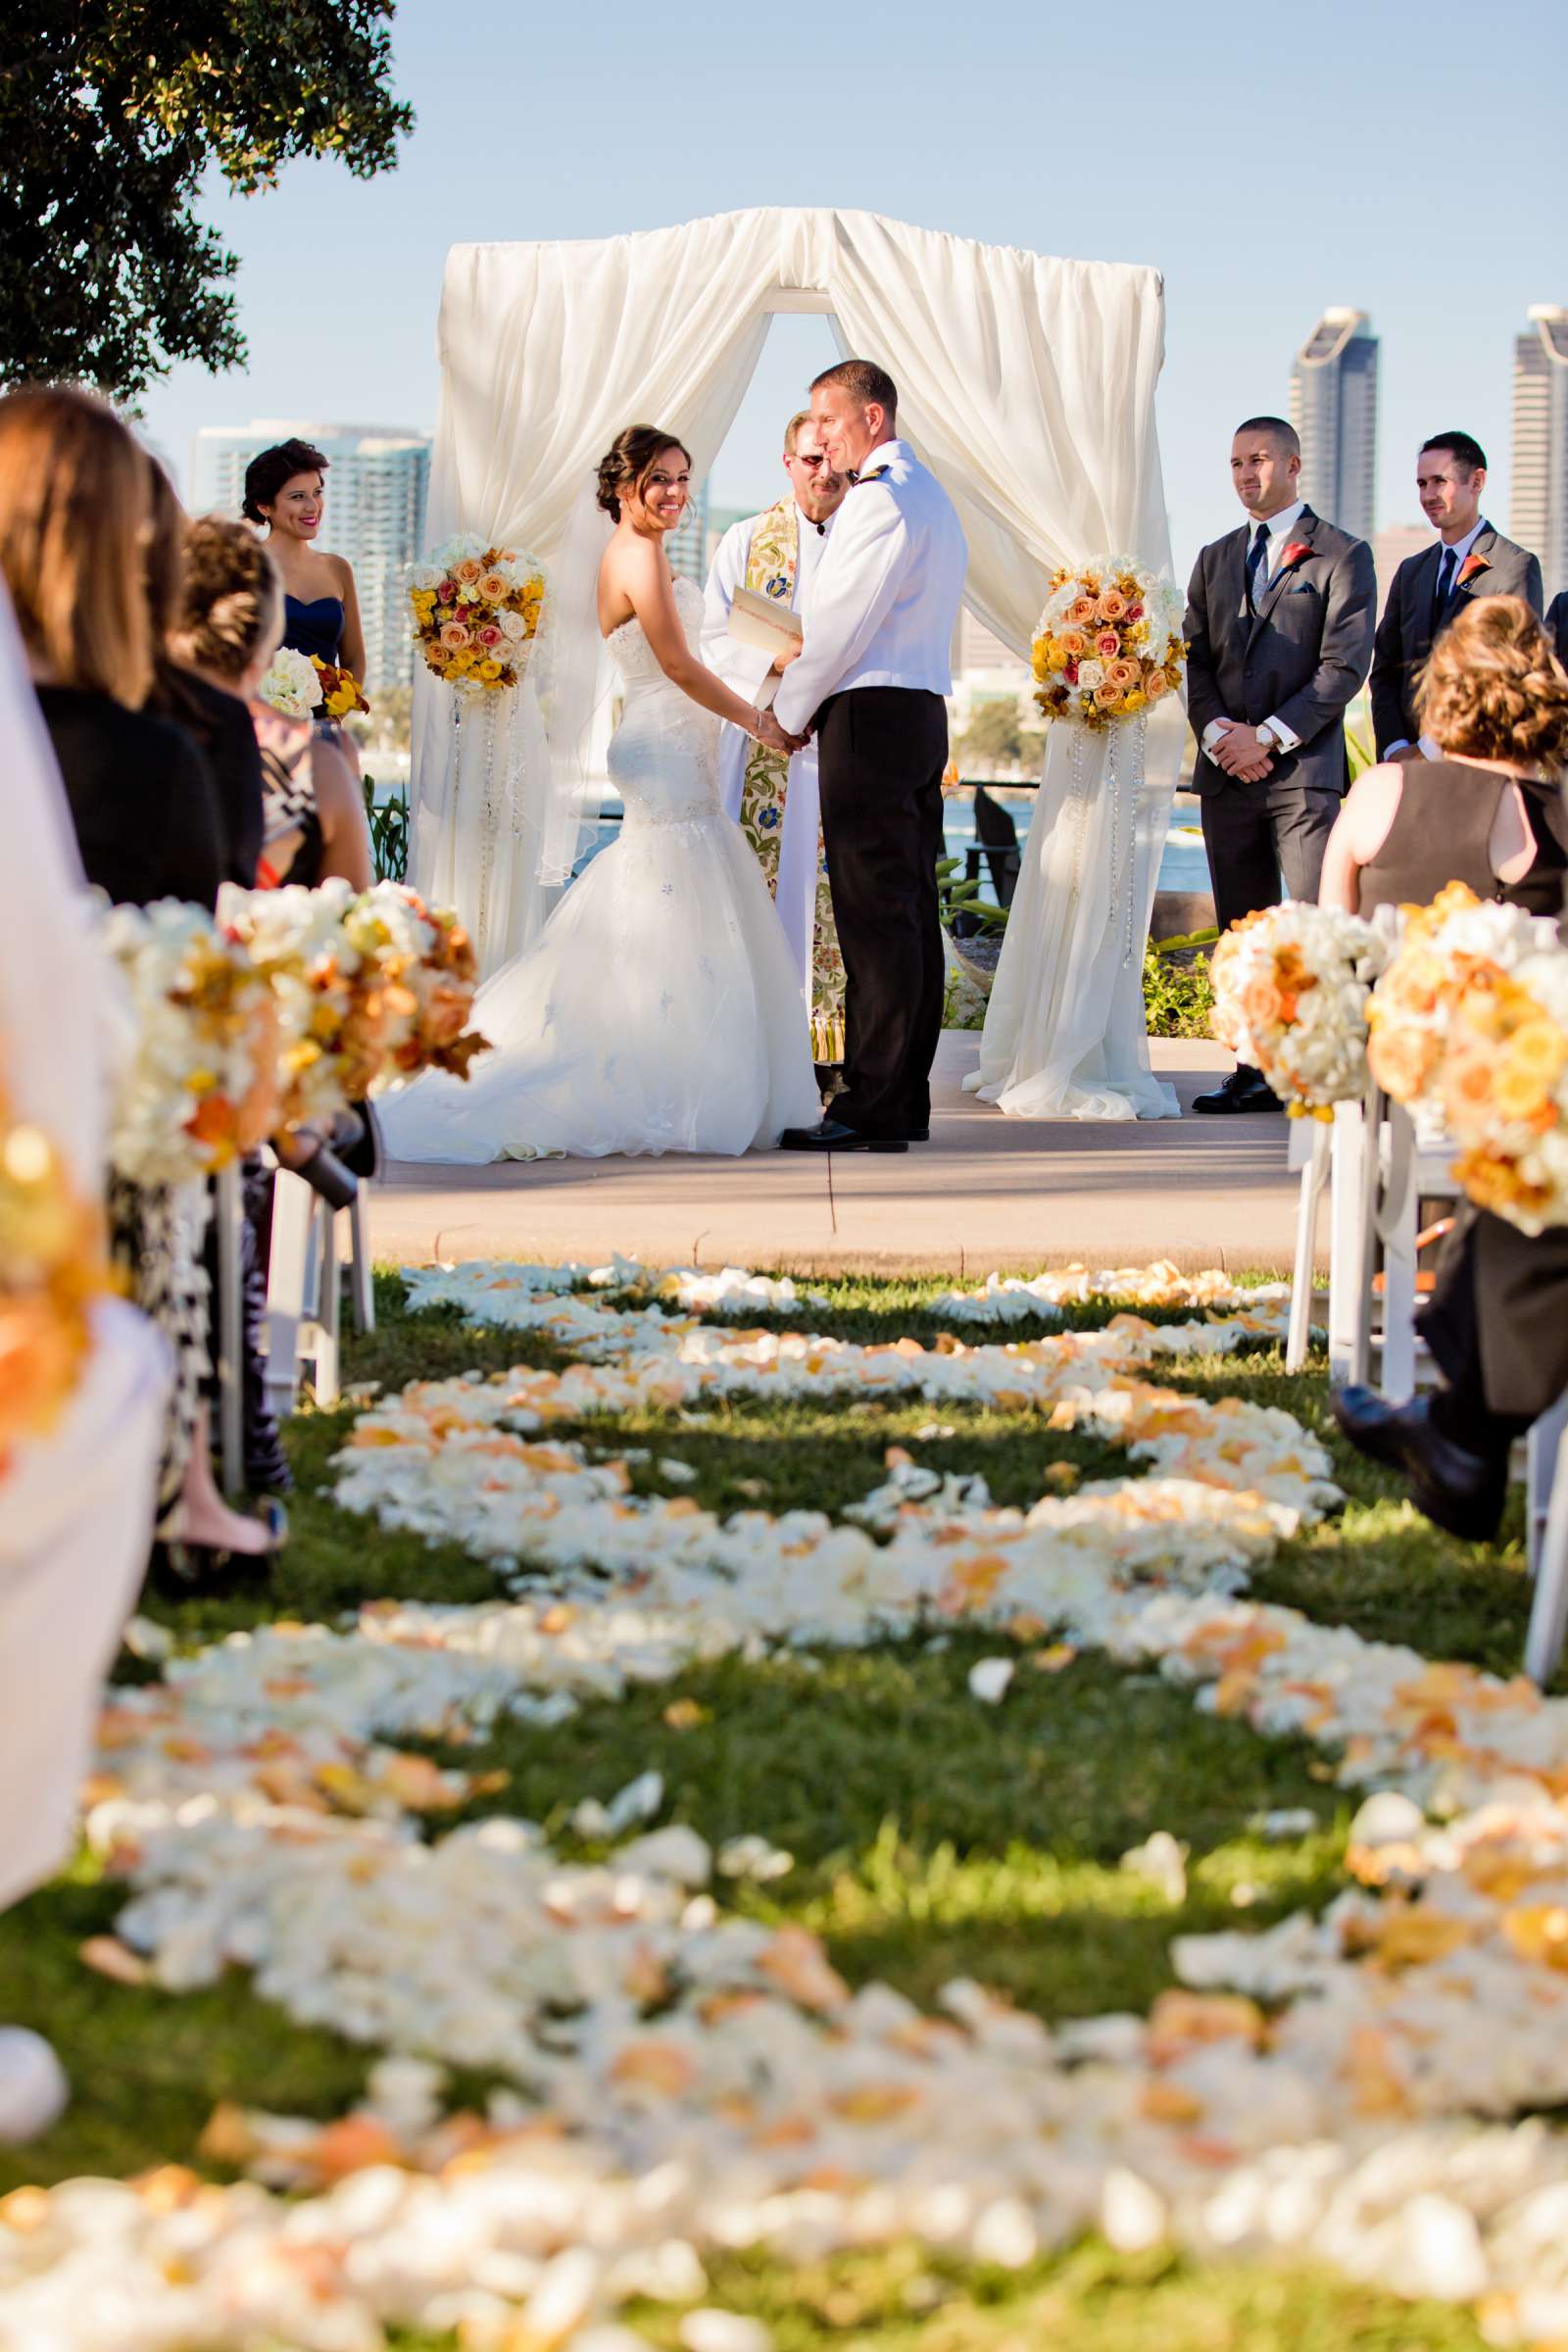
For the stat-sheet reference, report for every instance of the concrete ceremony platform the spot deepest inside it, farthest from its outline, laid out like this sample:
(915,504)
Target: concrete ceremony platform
(987,1192)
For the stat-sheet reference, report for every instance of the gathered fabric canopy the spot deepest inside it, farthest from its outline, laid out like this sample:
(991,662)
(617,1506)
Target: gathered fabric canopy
(1026,382)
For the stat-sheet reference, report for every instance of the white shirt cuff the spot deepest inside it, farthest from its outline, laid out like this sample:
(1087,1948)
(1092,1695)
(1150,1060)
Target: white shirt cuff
(1213,732)
(1428,749)
(1403,745)
(1286,737)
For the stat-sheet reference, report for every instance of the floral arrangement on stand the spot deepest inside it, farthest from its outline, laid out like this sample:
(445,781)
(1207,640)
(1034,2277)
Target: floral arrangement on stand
(1108,642)
(1291,985)
(52,1267)
(477,611)
(201,1085)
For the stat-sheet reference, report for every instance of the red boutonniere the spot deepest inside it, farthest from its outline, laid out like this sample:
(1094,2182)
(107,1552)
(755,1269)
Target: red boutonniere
(1473,563)
(1297,552)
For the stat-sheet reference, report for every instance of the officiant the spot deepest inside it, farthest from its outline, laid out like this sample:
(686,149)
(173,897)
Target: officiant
(773,798)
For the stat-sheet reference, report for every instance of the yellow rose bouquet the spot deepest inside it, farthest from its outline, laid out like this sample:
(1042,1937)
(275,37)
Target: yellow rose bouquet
(1108,642)
(477,612)
(341,691)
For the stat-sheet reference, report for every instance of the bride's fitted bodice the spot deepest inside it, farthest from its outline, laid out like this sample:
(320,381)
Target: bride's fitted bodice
(663,757)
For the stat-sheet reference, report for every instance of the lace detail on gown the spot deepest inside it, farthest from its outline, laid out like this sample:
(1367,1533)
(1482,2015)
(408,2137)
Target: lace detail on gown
(659,1008)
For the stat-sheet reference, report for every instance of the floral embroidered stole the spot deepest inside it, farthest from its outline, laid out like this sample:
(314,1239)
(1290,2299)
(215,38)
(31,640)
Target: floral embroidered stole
(772,566)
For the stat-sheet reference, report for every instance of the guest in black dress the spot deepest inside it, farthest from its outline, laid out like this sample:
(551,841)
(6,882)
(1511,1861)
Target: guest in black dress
(1494,698)
(216,721)
(76,519)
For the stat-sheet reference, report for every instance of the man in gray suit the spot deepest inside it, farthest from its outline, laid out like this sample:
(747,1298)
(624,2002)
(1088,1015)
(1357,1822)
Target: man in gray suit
(1467,559)
(1557,626)
(1279,625)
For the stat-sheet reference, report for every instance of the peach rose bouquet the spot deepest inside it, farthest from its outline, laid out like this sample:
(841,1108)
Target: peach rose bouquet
(1291,985)
(1469,1025)
(1445,948)
(477,611)
(1108,642)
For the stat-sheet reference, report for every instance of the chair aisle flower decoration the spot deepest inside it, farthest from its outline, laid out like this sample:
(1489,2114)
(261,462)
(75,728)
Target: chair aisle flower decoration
(1291,985)
(1470,1025)
(200,1085)
(1108,642)
(477,612)
(52,1267)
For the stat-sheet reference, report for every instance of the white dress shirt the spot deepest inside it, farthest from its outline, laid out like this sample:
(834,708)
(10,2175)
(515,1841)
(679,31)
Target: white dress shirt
(1279,528)
(1461,548)
(885,599)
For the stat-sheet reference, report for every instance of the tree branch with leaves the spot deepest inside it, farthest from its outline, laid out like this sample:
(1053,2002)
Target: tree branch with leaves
(112,113)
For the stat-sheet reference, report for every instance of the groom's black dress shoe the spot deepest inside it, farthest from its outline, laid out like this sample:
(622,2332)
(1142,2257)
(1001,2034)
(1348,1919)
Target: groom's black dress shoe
(832,1135)
(1243,1090)
(1458,1490)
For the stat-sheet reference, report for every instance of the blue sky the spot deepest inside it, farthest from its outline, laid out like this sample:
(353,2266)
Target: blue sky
(1407,160)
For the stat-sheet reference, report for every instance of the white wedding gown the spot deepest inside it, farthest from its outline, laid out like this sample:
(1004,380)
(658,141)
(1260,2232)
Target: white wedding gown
(659,1008)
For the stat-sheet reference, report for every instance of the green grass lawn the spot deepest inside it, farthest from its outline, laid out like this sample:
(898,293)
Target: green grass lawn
(933,1836)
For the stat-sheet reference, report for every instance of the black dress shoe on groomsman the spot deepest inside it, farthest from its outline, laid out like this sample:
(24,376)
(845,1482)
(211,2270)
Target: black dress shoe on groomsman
(832,1135)
(1244,1090)
(1458,1490)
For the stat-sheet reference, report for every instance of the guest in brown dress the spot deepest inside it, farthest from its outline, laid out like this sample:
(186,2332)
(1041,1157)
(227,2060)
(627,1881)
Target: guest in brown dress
(1486,810)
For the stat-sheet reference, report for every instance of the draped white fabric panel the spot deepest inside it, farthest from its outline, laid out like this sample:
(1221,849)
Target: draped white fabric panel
(1027,384)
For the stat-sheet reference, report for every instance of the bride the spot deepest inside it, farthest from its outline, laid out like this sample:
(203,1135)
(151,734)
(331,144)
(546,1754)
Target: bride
(659,1009)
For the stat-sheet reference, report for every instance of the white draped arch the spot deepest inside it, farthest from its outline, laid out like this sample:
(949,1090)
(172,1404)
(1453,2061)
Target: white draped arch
(1027,382)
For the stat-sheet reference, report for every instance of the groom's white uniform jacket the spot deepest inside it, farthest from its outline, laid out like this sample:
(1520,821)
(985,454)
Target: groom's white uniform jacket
(886,595)
(743,668)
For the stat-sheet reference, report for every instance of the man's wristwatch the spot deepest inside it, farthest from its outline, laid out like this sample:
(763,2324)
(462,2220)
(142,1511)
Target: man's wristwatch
(1266,736)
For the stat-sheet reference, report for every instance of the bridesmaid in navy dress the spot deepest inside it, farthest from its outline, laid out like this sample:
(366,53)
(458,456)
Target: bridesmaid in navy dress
(284,497)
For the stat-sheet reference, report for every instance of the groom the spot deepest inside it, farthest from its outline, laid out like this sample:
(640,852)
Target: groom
(870,680)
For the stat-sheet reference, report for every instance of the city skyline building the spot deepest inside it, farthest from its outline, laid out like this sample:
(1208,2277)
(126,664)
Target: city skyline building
(1389,549)
(1538,504)
(1334,408)
(377,484)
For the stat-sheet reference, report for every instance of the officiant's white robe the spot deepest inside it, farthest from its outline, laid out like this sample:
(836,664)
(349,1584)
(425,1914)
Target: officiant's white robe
(743,668)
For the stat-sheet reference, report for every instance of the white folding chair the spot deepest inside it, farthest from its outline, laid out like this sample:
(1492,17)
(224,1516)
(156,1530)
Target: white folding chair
(1546,1489)
(228,1327)
(305,1288)
(1327,1155)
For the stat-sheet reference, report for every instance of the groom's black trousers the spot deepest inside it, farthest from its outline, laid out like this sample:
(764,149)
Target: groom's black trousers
(881,752)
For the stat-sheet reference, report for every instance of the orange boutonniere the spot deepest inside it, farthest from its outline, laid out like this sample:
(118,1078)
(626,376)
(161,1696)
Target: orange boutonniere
(1296,553)
(1473,563)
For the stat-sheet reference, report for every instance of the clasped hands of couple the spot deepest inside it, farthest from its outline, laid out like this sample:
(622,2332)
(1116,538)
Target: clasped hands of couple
(768,730)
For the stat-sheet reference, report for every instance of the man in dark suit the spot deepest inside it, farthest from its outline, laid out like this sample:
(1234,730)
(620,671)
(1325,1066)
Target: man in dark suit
(1279,623)
(1468,559)
(1557,624)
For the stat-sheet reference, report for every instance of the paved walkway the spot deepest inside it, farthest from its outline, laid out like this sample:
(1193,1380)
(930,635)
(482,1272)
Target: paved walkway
(987,1192)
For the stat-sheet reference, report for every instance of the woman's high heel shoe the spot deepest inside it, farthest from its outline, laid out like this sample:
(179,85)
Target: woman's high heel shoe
(205,1566)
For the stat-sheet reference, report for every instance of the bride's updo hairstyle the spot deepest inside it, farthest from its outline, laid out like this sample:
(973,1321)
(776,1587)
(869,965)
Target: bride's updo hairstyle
(631,459)
(231,599)
(1492,689)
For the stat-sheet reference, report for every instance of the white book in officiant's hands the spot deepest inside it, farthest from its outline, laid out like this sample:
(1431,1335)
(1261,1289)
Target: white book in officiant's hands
(766,627)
